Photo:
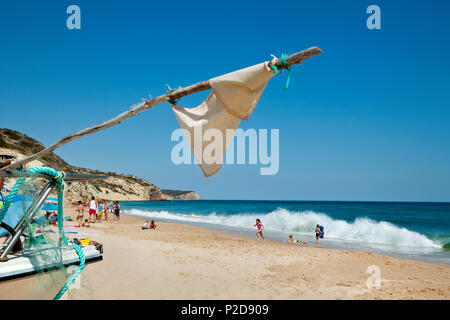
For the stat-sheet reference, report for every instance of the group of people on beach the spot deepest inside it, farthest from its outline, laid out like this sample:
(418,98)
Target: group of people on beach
(259,233)
(96,211)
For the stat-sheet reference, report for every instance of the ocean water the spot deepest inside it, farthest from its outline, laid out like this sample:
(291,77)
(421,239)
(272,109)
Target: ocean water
(406,229)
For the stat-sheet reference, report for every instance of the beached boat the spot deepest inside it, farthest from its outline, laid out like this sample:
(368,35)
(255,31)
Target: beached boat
(21,277)
(39,269)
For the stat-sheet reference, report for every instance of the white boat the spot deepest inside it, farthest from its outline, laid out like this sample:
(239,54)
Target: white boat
(21,277)
(38,272)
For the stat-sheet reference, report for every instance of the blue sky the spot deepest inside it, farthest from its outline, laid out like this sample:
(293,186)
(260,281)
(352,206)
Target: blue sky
(366,120)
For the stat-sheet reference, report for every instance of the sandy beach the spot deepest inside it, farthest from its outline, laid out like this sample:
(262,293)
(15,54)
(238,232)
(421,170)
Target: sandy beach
(186,262)
(322,122)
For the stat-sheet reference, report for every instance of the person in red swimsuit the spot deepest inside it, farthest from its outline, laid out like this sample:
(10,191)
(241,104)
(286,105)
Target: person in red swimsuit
(92,209)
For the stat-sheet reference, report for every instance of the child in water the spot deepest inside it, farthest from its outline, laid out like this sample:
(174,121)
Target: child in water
(260,227)
(318,233)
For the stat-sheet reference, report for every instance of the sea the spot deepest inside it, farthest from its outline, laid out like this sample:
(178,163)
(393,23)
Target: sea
(414,230)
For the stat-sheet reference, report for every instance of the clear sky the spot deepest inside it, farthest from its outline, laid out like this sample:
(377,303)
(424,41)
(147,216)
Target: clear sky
(369,119)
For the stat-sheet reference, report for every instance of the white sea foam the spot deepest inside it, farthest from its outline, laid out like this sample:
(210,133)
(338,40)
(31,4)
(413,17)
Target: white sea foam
(362,230)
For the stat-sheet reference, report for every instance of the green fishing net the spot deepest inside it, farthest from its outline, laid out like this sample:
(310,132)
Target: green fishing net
(43,241)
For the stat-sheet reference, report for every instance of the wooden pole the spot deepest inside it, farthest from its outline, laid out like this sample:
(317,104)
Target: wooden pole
(292,59)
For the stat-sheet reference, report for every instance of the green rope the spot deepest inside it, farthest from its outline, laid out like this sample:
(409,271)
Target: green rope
(274,68)
(58,177)
(285,65)
(75,275)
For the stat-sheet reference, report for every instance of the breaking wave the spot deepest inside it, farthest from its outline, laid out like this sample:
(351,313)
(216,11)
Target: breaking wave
(361,230)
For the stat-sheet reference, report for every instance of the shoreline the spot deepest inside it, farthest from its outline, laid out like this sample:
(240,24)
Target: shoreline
(277,237)
(178,261)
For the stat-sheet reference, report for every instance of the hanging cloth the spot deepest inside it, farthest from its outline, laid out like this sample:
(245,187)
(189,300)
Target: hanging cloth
(232,99)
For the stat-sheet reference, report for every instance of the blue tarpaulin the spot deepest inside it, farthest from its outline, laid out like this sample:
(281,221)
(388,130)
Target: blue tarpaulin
(15,211)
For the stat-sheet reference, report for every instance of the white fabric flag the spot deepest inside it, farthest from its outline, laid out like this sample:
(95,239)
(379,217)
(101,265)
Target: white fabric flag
(232,99)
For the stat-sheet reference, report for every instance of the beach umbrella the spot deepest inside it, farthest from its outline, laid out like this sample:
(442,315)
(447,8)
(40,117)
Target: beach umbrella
(51,200)
(50,207)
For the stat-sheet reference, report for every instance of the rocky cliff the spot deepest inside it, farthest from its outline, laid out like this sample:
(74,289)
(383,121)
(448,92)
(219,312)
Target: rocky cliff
(180,195)
(115,187)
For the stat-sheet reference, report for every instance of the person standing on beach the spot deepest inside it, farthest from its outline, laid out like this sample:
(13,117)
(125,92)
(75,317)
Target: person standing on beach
(106,210)
(118,211)
(92,209)
(99,212)
(116,208)
(80,212)
(318,232)
(260,227)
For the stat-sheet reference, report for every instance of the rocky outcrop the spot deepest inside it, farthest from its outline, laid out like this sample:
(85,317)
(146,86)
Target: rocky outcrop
(115,187)
(180,195)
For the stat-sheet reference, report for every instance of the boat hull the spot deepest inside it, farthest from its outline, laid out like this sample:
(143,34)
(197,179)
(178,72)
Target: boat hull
(20,279)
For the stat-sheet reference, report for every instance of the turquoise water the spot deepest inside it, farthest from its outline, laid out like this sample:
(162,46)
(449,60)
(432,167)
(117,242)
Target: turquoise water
(406,229)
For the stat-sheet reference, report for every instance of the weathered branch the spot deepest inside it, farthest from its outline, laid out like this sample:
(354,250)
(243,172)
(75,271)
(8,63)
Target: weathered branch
(140,107)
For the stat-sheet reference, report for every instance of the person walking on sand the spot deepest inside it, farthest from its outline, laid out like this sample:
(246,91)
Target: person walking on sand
(260,227)
(80,212)
(92,209)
